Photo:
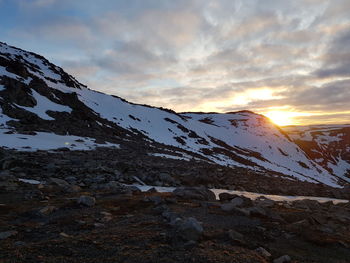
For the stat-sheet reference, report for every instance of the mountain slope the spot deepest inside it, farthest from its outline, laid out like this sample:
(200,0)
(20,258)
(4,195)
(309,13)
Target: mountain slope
(40,102)
(327,145)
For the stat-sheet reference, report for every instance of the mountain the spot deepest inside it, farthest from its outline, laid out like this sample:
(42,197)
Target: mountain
(43,107)
(327,145)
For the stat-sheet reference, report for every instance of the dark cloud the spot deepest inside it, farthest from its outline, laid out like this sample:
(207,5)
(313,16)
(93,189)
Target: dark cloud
(337,58)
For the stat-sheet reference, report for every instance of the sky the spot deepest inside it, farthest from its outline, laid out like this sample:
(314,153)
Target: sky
(289,60)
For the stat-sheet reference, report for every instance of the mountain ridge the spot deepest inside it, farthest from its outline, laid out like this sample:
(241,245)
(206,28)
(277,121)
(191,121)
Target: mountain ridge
(38,97)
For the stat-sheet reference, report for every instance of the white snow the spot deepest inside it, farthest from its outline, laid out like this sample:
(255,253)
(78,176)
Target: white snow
(29,181)
(47,141)
(327,139)
(252,132)
(43,105)
(169,156)
(250,195)
(3,119)
(340,168)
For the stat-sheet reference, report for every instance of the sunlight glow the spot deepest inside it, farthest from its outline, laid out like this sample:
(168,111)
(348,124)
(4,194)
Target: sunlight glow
(284,118)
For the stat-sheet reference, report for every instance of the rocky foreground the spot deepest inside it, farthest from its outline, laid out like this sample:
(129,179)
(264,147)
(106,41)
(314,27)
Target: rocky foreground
(80,212)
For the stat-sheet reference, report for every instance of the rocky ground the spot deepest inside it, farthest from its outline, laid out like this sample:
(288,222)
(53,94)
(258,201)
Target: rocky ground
(98,168)
(57,222)
(82,213)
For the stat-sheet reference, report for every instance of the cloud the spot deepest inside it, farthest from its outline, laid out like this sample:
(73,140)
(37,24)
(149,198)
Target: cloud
(337,58)
(199,55)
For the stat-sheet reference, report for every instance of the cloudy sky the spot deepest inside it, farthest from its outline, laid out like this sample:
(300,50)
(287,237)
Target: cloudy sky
(287,59)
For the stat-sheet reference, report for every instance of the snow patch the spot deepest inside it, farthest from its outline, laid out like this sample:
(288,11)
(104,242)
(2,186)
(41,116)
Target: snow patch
(43,105)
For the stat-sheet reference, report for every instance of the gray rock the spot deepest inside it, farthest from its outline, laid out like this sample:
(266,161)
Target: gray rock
(47,210)
(190,244)
(307,204)
(237,201)
(227,196)
(152,190)
(166,178)
(256,211)
(155,199)
(58,182)
(6,176)
(170,216)
(262,251)
(87,200)
(264,202)
(283,259)
(7,234)
(236,237)
(228,207)
(20,244)
(189,229)
(196,193)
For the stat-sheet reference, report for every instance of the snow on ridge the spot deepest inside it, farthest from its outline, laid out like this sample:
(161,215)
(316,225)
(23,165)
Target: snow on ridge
(43,105)
(242,129)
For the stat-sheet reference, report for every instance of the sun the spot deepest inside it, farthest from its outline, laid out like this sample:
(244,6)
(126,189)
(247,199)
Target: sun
(281,118)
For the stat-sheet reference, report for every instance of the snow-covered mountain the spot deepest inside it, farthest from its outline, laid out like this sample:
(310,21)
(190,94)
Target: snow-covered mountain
(327,145)
(42,107)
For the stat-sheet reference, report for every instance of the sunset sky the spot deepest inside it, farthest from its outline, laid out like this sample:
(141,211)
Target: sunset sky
(289,60)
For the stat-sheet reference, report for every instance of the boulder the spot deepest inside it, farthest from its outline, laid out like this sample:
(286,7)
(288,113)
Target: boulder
(283,259)
(7,234)
(227,196)
(236,237)
(47,210)
(59,182)
(195,193)
(87,200)
(262,251)
(189,229)
(230,206)
(264,202)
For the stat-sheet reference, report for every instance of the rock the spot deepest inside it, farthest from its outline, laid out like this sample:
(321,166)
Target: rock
(189,229)
(190,244)
(307,204)
(170,216)
(227,196)
(6,176)
(8,185)
(155,199)
(264,202)
(230,206)
(152,190)
(166,178)
(236,237)
(283,259)
(262,251)
(58,182)
(11,162)
(237,201)
(73,189)
(196,193)
(256,211)
(87,200)
(20,244)
(7,234)
(47,210)
(62,234)
(337,193)
(160,209)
